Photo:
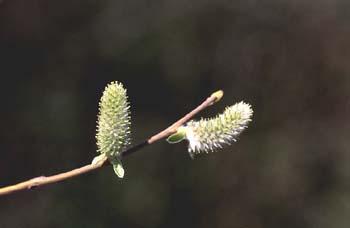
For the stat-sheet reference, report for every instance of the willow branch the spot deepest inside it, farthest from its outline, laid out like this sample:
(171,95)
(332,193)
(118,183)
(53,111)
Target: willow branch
(173,128)
(43,180)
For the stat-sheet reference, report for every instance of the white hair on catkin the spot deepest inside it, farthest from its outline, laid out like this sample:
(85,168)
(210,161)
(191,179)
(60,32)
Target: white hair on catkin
(208,135)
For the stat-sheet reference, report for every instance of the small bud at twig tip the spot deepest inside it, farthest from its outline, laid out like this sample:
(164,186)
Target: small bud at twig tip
(218,95)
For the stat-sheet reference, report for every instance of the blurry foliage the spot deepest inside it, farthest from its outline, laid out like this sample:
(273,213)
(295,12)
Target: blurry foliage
(290,59)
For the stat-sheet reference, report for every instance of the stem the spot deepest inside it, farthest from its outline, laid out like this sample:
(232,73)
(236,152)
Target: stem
(173,128)
(43,180)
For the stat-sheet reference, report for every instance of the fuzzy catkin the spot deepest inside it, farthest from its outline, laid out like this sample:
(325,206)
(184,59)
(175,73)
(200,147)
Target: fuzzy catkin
(211,134)
(113,124)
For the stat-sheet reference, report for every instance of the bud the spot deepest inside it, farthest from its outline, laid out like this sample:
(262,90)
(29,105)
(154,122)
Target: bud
(211,134)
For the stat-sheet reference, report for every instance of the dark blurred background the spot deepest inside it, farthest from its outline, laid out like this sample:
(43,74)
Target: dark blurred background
(289,59)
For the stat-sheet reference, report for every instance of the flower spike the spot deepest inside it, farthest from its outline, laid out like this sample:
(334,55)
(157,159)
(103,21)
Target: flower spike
(113,124)
(211,134)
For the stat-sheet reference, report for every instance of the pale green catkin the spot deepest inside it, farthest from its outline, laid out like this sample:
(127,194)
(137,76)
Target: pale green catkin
(211,134)
(113,124)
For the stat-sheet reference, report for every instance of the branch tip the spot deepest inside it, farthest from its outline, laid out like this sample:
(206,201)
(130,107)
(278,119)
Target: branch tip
(218,95)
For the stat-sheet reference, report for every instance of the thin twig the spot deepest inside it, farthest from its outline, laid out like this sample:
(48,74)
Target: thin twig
(43,180)
(173,128)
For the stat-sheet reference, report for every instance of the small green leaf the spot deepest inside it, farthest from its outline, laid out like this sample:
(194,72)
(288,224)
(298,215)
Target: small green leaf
(118,169)
(178,136)
(117,166)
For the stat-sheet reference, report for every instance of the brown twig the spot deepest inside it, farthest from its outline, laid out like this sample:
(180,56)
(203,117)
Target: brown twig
(173,128)
(43,180)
